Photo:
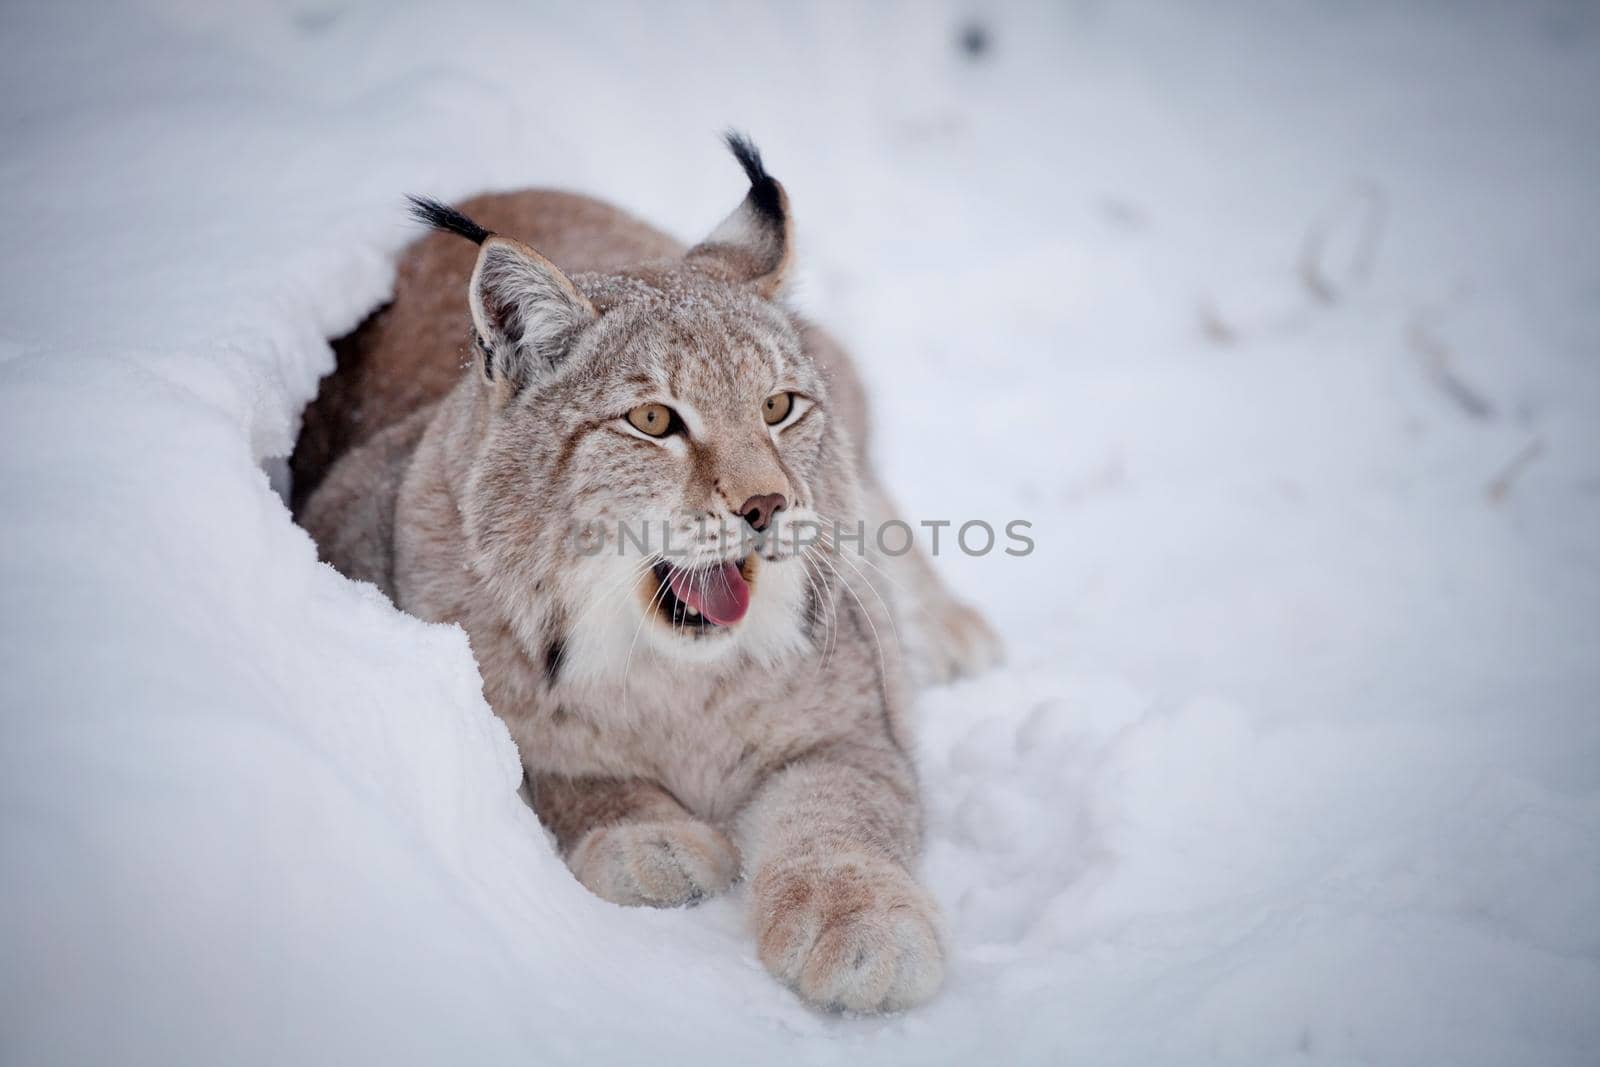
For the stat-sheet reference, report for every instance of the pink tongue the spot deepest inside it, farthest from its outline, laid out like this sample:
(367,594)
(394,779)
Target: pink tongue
(718,593)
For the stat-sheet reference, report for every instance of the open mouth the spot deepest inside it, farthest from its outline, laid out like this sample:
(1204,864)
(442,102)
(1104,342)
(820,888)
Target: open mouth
(703,598)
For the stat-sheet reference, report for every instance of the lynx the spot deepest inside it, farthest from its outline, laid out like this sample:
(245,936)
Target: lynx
(636,481)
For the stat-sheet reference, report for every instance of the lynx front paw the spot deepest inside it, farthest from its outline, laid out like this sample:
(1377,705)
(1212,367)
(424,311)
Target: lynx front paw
(659,864)
(849,933)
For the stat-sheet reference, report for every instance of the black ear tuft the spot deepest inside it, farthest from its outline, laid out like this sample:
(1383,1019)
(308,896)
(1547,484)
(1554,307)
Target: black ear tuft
(764,193)
(430,212)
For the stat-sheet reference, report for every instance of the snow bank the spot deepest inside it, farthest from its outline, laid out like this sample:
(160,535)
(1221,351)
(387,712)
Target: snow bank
(1297,756)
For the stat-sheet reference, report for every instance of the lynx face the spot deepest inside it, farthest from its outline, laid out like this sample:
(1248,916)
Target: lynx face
(644,478)
(657,453)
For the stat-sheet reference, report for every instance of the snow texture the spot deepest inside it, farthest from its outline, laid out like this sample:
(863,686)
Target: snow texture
(1280,323)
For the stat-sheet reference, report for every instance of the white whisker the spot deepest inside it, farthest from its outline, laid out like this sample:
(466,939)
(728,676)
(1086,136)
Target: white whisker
(883,666)
(629,579)
(825,603)
(888,612)
(627,663)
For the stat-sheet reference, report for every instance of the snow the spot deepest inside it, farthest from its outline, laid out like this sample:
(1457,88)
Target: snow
(1296,757)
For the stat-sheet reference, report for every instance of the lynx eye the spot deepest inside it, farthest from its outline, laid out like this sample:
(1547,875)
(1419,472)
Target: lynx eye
(776,408)
(657,420)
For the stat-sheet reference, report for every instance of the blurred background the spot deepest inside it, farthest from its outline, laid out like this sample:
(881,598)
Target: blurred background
(1280,323)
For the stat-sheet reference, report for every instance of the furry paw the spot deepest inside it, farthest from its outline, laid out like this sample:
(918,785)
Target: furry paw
(659,864)
(849,932)
(958,643)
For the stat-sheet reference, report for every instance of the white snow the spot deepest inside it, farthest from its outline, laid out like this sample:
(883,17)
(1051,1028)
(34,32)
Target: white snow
(1297,755)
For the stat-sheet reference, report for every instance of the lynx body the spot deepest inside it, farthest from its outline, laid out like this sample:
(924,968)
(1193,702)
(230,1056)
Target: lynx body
(622,476)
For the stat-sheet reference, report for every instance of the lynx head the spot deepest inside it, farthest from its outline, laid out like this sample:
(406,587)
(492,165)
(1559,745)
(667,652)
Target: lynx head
(654,449)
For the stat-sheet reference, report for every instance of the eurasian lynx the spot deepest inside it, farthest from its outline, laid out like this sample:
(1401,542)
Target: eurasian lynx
(614,493)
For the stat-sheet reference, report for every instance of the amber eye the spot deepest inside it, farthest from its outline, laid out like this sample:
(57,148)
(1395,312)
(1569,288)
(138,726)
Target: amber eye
(656,420)
(776,408)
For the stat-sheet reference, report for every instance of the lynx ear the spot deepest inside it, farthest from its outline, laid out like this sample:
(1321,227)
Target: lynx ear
(526,311)
(753,245)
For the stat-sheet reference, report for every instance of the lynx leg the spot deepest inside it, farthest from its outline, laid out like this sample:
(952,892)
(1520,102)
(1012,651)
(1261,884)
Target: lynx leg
(837,914)
(630,842)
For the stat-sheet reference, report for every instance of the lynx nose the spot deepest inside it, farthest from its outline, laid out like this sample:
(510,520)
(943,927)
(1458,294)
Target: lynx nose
(759,510)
